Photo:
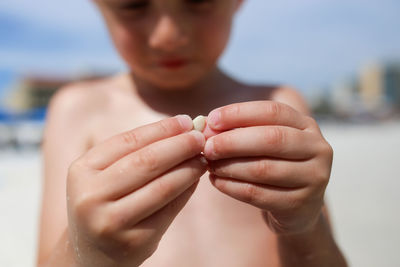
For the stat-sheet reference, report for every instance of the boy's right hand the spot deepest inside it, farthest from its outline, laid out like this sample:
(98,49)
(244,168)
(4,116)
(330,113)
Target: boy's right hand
(123,194)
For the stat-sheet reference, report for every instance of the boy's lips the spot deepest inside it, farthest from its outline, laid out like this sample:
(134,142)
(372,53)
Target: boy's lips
(173,63)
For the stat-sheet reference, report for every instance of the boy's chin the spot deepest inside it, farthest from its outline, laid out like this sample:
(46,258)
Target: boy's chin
(178,80)
(176,84)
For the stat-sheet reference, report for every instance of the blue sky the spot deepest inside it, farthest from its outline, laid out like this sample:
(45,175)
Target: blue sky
(306,43)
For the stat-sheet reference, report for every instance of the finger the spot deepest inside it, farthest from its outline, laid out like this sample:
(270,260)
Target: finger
(272,141)
(153,227)
(265,197)
(111,150)
(268,171)
(256,113)
(209,132)
(138,168)
(159,192)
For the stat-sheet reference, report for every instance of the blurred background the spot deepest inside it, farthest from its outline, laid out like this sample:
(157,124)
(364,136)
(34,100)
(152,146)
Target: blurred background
(343,55)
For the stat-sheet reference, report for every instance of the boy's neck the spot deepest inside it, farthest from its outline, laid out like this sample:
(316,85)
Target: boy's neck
(199,98)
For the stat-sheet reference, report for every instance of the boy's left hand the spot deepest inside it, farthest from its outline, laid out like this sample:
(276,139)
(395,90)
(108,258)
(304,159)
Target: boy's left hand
(272,157)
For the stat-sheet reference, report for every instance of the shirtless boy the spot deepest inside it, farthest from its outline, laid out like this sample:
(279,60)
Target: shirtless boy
(127,182)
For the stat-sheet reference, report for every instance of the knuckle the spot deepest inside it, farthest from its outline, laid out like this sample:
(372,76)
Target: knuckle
(92,161)
(230,111)
(140,238)
(328,150)
(234,110)
(146,158)
(312,122)
(162,189)
(146,242)
(325,150)
(99,227)
(108,223)
(221,145)
(222,171)
(148,248)
(294,203)
(75,168)
(165,127)
(275,136)
(135,238)
(273,110)
(218,144)
(130,138)
(72,176)
(250,192)
(124,166)
(261,169)
(84,204)
(321,177)
(318,176)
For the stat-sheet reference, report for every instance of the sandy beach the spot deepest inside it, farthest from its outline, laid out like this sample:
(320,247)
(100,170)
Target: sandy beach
(362,195)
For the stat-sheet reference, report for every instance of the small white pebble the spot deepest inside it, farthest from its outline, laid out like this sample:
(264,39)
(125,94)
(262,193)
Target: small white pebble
(199,123)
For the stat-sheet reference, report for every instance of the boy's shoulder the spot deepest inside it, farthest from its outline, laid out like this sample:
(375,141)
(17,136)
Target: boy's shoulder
(284,94)
(78,103)
(84,96)
(85,91)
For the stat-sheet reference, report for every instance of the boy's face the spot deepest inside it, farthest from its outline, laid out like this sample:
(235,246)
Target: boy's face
(169,43)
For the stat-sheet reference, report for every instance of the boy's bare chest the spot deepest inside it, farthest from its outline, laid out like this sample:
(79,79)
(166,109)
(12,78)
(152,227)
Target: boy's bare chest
(215,230)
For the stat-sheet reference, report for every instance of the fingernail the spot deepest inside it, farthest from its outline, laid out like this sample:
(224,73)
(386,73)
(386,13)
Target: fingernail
(209,149)
(213,118)
(199,137)
(185,121)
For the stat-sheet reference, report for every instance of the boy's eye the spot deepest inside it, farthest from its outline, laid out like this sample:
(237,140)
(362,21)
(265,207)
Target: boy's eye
(134,5)
(199,3)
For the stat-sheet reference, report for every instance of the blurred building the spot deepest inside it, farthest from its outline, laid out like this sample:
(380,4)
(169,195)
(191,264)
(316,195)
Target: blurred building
(35,92)
(379,87)
(345,98)
(22,119)
(319,101)
(392,85)
(374,94)
(371,87)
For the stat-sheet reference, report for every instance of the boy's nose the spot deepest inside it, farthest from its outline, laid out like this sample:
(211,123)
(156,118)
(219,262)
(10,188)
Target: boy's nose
(167,35)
